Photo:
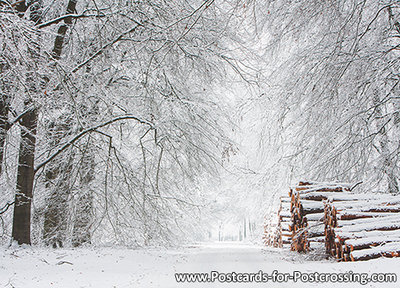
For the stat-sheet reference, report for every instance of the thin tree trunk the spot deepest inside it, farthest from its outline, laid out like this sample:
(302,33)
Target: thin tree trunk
(4,109)
(244,228)
(56,214)
(81,233)
(388,165)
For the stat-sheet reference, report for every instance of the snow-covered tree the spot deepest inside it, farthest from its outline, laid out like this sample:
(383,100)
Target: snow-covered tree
(127,124)
(331,93)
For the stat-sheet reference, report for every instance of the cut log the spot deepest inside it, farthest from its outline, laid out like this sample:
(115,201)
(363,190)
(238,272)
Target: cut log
(366,234)
(319,239)
(315,217)
(365,205)
(308,189)
(387,250)
(354,214)
(362,243)
(337,196)
(285,213)
(313,234)
(311,207)
(325,184)
(286,227)
(385,225)
(389,218)
(307,210)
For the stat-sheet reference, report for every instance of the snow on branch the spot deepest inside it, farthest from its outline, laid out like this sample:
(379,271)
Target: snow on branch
(88,130)
(68,17)
(79,66)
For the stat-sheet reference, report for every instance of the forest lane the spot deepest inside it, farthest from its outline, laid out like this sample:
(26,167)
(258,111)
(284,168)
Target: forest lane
(156,267)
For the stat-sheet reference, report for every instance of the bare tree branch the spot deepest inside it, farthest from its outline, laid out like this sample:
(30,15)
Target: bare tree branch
(104,47)
(5,207)
(88,130)
(69,17)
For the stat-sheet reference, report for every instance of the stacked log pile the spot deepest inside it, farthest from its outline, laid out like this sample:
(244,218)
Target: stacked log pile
(362,226)
(352,226)
(307,212)
(299,219)
(272,230)
(285,222)
(276,226)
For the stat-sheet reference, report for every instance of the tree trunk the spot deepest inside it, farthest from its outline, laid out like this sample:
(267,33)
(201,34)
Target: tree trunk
(244,228)
(81,233)
(25,177)
(62,30)
(56,214)
(5,94)
(4,108)
(388,165)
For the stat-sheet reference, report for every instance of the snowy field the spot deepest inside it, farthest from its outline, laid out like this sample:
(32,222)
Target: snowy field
(111,267)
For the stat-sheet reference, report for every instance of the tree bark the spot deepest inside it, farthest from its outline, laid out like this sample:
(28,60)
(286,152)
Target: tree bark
(5,94)
(4,109)
(388,165)
(62,30)
(81,233)
(56,214)
(25,177)
(26,157)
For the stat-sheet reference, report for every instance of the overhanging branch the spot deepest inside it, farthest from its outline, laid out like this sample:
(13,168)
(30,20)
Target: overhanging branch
(69,17)
(105,46)
(5,207)
(88,130)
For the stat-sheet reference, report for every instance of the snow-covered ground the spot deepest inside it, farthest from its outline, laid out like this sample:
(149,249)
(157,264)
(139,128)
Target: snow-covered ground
(31,267)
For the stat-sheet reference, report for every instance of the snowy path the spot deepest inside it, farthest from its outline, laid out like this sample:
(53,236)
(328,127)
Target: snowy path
(111,267)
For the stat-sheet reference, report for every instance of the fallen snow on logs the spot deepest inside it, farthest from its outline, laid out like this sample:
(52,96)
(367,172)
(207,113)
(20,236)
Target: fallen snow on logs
(363,229)
(352,226)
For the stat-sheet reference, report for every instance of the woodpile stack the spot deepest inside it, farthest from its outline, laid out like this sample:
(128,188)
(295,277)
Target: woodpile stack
(299,219)
(307,212)
(352,226)
(272,231)
(362,226)
(276,226)
(285,219)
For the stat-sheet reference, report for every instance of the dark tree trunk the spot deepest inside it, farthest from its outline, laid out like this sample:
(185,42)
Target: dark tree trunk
(26,157)
(82,219)
(62,30)
(23,197)
(5,94)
